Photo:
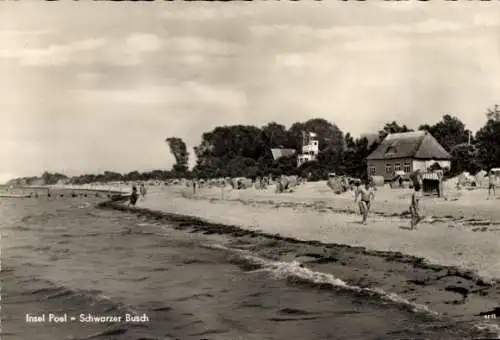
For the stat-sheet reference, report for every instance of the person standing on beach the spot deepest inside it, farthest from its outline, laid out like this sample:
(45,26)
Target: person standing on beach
(416,196)
(143,191)
(133,197)
(491,184)
(367,195)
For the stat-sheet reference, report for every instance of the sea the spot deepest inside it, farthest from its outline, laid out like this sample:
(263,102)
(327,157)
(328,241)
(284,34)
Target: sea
(71,270)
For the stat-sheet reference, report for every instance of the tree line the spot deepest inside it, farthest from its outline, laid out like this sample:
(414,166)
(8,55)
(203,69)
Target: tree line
(245,151)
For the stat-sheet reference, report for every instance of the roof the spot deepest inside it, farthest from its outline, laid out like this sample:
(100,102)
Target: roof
(415,144)
(278,153)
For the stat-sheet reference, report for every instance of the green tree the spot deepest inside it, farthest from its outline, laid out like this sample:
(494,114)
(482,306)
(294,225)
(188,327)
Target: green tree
(465,158)
(179,151)
(493,114)
(392,127)
(488,144)
(449,132)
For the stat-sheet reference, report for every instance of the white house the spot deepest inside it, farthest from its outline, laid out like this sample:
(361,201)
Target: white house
(310,149)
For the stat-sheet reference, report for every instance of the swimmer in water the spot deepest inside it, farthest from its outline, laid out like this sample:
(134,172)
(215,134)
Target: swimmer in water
(367,196)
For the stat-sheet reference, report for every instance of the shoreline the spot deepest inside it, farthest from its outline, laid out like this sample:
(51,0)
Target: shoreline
(450,291)
(202,225)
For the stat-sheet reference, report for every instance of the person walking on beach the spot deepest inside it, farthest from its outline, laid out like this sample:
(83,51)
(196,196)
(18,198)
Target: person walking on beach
(143,191)
(416,196)
(491,184)
(367,195)
(133,197)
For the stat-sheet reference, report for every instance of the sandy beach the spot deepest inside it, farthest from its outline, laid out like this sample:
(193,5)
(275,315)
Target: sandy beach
(449,265)
(463,233)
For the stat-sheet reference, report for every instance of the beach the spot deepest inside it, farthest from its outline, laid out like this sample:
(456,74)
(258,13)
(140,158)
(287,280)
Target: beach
(233,264)
(449,265)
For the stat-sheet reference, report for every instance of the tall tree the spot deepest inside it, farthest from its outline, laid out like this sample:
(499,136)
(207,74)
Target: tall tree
(327,133)
(392,127)
(275,135)
(465,158)
(488,144)
(494,113)
(179,151)
(330,139)
(449,132)
(229,148)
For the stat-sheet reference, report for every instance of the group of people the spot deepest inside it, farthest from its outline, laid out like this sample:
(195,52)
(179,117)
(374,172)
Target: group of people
(367,196)
(136,195)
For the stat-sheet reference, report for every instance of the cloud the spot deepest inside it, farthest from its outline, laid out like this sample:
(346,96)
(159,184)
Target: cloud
(358,31)
(142,42)
(295,60)
(125,52)
(54,54)
(487,19)
(132,50)
(19,33)
(387,44)
(186,93)
(200,13)
(88,78)
(195,44)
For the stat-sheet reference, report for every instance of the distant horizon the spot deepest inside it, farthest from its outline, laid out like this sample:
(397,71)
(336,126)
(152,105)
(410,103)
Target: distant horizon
(95,86)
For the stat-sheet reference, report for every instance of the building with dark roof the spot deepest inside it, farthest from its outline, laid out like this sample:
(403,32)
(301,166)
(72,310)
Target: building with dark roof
(407,152)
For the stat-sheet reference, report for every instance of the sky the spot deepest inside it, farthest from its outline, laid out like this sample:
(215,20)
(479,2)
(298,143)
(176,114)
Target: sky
(93,86)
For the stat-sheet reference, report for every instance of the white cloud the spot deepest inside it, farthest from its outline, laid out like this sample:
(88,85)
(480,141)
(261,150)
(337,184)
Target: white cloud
(429,26)
(132,50)
(407,5)
(487,19)
(55,54)
(294,60)
(88,78)
(200,13)
(18,33)
(192,44)
(186,93)
(422,27)
(142,42)
(377,44)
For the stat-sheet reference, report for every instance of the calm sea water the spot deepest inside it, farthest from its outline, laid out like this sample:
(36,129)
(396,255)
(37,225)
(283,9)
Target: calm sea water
(66,257)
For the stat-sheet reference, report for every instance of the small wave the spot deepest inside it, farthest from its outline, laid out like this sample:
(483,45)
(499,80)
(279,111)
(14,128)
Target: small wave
(295,270)
(489,327)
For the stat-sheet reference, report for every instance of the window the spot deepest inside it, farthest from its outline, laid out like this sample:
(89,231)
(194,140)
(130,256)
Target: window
(388,168)
(397,167)
(372,170)
(407,167)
